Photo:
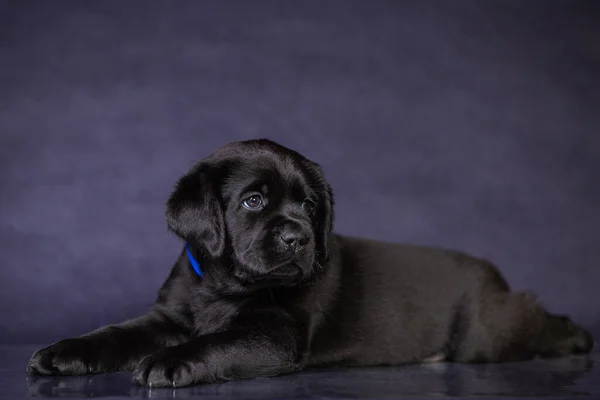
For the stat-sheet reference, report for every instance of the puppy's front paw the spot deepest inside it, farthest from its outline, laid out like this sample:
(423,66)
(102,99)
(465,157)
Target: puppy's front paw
(166,368)
(67,357)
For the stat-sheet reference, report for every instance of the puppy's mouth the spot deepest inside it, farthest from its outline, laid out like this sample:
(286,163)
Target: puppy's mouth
(286,270)
(284,273)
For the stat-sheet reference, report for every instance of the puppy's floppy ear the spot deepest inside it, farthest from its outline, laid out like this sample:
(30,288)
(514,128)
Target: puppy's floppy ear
(194,210)
(324,224)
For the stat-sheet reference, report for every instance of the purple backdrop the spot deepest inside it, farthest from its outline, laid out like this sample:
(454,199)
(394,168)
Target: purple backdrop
(466,124)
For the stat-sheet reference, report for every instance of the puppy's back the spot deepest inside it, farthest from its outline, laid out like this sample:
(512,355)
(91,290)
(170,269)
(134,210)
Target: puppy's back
(395,303)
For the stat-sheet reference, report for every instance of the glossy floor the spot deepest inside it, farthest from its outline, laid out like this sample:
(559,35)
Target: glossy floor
(562,378)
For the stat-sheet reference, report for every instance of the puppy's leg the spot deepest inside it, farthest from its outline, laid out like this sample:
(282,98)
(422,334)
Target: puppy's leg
(108,349)
(506,327)
(256,345)
(561,337)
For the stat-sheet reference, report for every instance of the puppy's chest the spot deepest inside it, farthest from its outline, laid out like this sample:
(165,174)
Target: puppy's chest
(212,315)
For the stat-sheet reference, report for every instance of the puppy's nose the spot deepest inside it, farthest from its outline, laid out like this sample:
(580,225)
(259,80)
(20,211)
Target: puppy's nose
(292,240)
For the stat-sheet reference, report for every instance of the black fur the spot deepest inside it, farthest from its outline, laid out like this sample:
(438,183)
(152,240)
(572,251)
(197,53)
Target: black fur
(281,292)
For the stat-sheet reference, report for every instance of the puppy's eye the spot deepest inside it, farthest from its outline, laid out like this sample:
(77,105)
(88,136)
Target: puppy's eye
(253,202)
(308,206)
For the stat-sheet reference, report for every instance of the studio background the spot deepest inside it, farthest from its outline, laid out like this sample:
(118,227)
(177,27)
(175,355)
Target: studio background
(465,124)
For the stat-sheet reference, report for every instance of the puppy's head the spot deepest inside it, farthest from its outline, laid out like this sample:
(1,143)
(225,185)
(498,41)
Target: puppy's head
(258,207)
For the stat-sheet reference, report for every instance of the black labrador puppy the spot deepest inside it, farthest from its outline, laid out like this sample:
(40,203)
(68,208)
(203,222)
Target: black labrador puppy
(263,287)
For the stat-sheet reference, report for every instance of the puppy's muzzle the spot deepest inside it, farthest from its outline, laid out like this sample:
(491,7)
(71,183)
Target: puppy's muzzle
(293,241)
(291,237)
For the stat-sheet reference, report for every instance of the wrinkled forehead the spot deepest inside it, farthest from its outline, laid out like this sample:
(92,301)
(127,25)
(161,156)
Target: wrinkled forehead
(270,175)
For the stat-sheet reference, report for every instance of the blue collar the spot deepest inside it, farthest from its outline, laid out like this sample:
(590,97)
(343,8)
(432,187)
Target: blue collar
(193,260)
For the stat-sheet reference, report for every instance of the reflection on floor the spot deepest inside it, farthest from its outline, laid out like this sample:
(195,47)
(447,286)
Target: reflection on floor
(560,378)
